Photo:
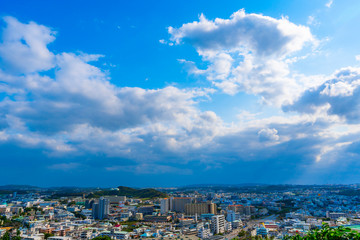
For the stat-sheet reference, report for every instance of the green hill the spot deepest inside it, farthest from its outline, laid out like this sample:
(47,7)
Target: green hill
(130,192)
(141,193)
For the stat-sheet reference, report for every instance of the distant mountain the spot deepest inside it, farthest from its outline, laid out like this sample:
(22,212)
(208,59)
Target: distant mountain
(141,193)
(130,192)
(223,185)
(19,187)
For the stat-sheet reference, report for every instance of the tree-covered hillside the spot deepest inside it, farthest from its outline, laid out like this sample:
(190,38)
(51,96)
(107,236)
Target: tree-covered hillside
(130,192)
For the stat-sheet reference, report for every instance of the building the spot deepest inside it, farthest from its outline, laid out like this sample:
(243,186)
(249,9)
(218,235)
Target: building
(200,208)
(101,209)
(152,218)
(243,210)
(139,216)
(89,203)
(116,199)
(164,205)
(116,234)
(228,226)
(335,215)
(59,238)
(146,210)
(218,224)
(33,237)
(177,204)
(262,231)
(60,231)
(249,210)
(237,208)
(46,230)
(232,216)
(85,235)
(204,233)
(237,224)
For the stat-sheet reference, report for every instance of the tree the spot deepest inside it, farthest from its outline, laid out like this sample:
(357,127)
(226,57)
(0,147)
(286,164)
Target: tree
(6,236)
(328,233)
(244,234)
(47,235)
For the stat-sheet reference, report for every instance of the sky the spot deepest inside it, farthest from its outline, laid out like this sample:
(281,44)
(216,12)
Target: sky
(161,94)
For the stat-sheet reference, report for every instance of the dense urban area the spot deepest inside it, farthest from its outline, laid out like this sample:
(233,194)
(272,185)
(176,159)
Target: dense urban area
(191,212)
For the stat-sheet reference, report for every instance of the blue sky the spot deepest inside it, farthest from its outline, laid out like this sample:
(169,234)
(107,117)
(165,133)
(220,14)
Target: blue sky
(144,93)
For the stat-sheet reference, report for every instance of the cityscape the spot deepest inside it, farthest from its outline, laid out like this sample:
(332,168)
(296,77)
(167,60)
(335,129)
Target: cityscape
(181,120)
(189,212)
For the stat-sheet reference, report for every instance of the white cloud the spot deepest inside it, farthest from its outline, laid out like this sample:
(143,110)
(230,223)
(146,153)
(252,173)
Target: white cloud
(268,134)
(339,94)
(248,52)
(163,41)
(24,46)
(312,21)
(75,110)
(260,34)
(329,3)
(80,104)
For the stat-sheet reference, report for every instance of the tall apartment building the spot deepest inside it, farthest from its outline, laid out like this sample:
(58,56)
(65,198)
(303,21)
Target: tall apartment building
(200,208)
(237,208)
(218,224)
(101,209)
(164,205)
(89,203)
(177,204)
(243,210)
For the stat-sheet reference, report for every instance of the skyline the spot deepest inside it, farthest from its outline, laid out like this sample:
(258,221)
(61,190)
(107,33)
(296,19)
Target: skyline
(159,94)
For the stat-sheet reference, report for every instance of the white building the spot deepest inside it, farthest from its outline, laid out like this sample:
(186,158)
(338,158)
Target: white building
(335,215)
(59,238)
(33,237)
(85,235)
(228,226)
(237,224)
(204,233)
(116,234)
(218,224)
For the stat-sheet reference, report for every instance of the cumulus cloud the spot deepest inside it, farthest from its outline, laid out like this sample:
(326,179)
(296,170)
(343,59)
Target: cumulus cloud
(257,33)
(75,108)
(24,46)
(66,107)
(80,93)
(247,52)
(268,135)
(339,95)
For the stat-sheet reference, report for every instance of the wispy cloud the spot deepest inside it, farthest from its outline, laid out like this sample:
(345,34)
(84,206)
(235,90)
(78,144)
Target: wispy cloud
(329,3)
